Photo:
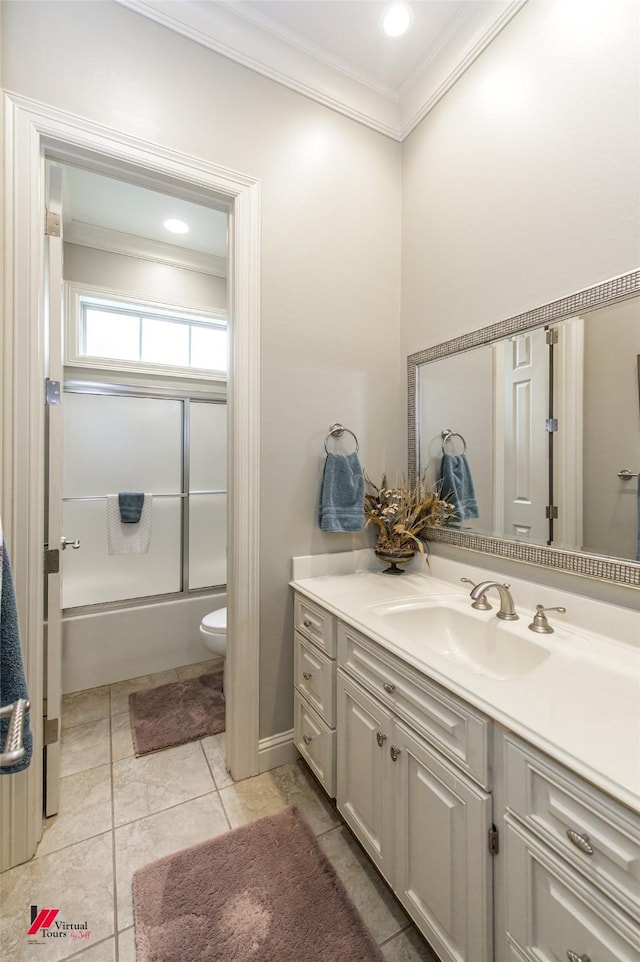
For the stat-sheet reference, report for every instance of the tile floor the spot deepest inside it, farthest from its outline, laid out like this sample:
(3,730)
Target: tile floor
(118,812)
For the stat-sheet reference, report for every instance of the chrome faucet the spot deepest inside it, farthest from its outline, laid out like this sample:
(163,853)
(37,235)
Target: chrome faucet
(507,610)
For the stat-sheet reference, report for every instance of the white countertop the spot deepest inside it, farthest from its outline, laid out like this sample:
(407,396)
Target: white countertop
(581,705)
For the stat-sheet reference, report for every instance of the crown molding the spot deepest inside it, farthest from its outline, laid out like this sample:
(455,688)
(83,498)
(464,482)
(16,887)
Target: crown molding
(118,242)
(246,37)
(468,37)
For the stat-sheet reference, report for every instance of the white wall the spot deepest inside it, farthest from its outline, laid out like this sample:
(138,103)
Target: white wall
(330,254)
(162,282)
(522,184)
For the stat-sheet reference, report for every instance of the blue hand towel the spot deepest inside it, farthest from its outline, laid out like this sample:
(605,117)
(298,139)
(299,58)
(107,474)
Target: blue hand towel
(342,494)
(457,486)
(13,683)
(130,504)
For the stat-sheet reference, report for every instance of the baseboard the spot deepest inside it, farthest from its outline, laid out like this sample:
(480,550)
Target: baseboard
(276,750)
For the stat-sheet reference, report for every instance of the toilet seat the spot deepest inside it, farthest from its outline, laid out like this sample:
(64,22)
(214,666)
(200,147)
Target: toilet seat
(215,623)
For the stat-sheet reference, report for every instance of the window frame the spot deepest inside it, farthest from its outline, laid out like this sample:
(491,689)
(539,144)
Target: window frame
(75,294)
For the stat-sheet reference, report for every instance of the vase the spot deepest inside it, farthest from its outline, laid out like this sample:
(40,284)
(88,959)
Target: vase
(395,556)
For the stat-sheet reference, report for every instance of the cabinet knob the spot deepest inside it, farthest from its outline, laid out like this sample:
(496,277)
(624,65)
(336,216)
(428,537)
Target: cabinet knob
(381,738)
(581,841)
(307,622)
(394,752)
(307,739)
(389,687)
(306,675)
(574,957)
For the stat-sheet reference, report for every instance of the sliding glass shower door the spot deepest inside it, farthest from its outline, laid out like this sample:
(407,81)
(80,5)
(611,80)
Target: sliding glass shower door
(171,448)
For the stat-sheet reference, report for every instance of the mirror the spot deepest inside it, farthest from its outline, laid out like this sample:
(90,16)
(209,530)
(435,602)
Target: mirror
(545,408)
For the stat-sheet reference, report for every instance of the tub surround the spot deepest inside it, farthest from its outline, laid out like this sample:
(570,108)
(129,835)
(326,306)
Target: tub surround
(113,645)
(579,705)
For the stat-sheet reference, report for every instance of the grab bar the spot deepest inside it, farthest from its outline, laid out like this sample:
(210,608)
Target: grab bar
(103,497)
(13,750)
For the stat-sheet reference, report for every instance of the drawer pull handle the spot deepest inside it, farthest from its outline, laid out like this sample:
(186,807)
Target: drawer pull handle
(582,842)
(307,622)
(389,688)
(307,739)
(306,675)
(573,957)
(394,752)
(381,738)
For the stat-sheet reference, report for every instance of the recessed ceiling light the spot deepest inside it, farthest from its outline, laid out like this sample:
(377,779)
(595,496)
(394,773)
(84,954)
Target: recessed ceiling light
(176,226)
(397,19)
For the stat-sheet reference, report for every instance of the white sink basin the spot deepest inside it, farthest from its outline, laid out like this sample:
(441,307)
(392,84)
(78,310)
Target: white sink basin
(479,641)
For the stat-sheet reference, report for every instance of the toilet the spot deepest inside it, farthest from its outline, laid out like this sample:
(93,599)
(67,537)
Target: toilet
(213,629)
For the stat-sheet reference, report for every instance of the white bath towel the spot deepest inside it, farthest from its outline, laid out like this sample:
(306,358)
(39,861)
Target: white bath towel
(128,538)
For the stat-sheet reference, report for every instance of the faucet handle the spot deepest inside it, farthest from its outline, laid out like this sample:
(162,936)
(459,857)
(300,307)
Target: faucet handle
(540,622)
(482,604)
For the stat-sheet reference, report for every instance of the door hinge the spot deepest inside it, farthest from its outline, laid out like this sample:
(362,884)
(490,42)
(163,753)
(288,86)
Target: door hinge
(551,335)
(51,561)
(50,730)
(52,224)
(551,425)
(51,391)
(494,842)
(551,512)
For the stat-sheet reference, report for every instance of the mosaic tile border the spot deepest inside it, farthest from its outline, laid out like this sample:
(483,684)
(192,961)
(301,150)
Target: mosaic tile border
(585,565)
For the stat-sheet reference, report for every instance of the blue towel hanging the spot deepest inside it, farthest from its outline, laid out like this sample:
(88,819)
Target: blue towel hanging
(130,504)
(342,494)
(457,486)
(13,683)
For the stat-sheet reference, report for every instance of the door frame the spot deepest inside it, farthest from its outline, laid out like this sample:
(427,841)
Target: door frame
(34,132)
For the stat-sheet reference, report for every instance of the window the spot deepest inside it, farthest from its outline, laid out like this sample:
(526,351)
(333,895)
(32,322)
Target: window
(114,332)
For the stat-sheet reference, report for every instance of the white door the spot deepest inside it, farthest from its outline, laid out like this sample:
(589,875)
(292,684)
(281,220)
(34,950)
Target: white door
(53,490)
(522,458)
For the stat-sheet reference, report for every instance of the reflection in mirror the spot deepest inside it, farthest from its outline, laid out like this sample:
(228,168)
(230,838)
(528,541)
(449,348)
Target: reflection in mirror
(550,416)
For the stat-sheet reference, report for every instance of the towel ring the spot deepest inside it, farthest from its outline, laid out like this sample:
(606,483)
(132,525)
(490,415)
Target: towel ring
(449,435)
(336,431)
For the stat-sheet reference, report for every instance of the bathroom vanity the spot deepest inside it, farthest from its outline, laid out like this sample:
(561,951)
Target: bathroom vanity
(492,774)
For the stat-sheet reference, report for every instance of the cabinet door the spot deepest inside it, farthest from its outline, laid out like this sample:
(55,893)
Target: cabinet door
(443,871)
(553,914)
(363,792)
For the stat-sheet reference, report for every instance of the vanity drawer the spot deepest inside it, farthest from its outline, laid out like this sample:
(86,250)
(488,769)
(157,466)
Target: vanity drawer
(315,678)
(457,730)
(316,742)
(596,834)
(315,624)
(554,915)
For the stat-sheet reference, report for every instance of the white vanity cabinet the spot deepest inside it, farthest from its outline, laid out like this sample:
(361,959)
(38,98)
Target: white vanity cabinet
(315,690)
(572,865)
(408,754)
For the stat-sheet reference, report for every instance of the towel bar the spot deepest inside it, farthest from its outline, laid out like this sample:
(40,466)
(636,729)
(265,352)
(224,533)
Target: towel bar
(336,431)
(13,750)
(448,435)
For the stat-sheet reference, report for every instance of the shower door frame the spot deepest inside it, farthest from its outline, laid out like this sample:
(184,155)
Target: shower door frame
(35,133)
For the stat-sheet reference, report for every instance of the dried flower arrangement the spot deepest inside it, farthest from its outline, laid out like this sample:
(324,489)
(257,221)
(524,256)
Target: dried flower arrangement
(401,512)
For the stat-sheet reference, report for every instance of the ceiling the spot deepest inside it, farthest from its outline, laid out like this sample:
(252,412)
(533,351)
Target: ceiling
(334,51)
(114,215)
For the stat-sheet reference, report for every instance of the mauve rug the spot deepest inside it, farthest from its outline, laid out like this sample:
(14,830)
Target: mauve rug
(177,713)
(264,892)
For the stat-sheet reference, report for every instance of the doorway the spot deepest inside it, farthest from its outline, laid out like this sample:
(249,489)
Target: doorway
(41,134)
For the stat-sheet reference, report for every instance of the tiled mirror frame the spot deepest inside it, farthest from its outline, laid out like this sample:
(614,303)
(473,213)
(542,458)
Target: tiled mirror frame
(602,568)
